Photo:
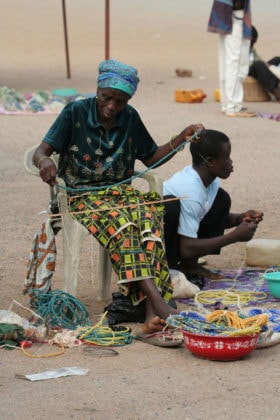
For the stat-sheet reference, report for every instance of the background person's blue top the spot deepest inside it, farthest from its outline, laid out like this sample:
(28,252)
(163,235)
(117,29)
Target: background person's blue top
(220,20)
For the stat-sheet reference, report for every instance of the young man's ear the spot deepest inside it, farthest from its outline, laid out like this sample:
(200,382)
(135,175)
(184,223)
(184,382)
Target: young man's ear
(209,161)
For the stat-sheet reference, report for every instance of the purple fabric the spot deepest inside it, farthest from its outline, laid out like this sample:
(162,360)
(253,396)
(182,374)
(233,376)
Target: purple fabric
(249,280)
(269,115)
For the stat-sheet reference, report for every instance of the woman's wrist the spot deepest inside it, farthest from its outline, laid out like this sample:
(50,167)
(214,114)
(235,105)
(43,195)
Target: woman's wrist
(41,160)
(177,148)
(171,145)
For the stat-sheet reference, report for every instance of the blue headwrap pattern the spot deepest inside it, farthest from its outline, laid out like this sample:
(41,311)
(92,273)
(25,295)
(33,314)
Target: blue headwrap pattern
(116,75)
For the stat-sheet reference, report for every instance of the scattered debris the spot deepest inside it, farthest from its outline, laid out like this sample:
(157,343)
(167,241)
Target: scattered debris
(183,72)
(53,374)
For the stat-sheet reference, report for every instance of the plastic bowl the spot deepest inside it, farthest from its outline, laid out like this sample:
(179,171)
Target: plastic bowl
(273,281)
(224,348)
(66,93)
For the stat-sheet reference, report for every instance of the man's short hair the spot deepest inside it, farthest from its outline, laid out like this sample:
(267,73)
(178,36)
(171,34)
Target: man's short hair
(209,145)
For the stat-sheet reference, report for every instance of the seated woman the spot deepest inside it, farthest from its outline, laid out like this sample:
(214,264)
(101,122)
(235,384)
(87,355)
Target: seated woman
(98,140)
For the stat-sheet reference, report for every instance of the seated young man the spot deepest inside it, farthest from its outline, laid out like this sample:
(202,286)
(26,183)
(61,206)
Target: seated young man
(194,225)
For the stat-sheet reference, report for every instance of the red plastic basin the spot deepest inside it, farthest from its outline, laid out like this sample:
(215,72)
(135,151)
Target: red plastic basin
(220,347)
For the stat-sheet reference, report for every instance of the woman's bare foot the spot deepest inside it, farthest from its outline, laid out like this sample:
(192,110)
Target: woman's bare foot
(157,309)
(153,325)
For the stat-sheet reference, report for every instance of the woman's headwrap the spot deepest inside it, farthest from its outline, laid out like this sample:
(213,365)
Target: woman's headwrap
(116,75)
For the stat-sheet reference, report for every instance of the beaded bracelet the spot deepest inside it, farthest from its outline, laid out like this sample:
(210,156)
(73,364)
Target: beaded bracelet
(42,158)
(171,142)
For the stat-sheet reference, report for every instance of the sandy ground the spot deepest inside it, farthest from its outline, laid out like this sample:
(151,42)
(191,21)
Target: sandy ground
(157,37)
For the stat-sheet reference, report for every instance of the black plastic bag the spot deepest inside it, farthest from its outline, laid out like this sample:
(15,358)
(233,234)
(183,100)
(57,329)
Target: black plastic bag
(122,310)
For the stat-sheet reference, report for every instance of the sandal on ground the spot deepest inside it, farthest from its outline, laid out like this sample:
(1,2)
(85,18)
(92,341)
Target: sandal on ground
(161,339)
(242,114)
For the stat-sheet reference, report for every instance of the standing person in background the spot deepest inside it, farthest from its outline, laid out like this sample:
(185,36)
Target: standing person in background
(231,19)
(266,73)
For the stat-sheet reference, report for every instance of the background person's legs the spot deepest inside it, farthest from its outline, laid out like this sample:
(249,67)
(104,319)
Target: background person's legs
(236,53)
(275,61)
(260,71)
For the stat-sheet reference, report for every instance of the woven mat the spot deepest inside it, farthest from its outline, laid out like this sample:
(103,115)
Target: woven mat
(245,280)
(35,103)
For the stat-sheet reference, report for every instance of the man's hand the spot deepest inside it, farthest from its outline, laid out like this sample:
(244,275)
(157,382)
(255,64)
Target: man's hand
(245,231)
(255,216)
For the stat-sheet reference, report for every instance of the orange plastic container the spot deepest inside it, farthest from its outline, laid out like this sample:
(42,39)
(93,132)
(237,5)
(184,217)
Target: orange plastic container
(189,96)
(217,95)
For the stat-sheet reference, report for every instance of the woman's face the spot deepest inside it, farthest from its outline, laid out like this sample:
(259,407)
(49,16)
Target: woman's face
(110,102)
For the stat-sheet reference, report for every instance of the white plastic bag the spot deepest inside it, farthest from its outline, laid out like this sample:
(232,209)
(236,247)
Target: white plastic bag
(53,374)
(183,288)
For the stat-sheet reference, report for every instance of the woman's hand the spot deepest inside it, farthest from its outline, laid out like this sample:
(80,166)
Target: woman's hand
(48,170)
(45,163)
(189,131)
